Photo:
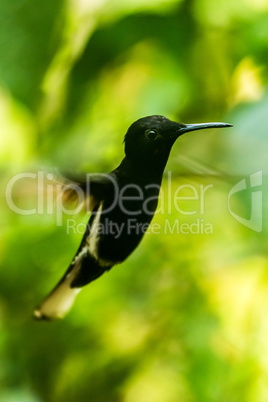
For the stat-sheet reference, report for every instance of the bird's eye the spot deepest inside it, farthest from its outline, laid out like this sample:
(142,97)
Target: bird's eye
(151,134)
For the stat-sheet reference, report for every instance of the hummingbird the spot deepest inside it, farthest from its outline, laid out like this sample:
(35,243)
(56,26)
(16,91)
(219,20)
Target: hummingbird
(123,203)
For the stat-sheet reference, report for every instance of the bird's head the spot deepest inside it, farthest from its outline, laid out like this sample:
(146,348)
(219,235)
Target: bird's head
(150,139)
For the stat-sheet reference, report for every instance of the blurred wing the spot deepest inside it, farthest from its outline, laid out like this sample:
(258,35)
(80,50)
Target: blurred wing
(87,191)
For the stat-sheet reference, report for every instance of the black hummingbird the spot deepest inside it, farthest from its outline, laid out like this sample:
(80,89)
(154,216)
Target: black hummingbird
(123,204)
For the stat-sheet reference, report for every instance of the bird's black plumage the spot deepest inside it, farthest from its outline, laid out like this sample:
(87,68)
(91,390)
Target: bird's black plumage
(124,202)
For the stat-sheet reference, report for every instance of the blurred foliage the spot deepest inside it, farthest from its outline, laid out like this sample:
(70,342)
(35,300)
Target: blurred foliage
(184,318)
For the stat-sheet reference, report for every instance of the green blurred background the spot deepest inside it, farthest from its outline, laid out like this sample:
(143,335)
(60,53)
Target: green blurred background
(185,317)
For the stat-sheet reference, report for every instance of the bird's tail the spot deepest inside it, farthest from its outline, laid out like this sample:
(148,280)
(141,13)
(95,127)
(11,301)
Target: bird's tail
(83,270)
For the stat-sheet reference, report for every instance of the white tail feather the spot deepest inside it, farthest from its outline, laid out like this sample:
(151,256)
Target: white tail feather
(61,299)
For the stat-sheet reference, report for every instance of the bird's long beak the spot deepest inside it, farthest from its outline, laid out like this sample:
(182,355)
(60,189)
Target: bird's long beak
(192,127)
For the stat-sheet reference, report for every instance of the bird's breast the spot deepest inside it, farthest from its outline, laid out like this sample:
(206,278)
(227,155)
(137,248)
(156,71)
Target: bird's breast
(119,225)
